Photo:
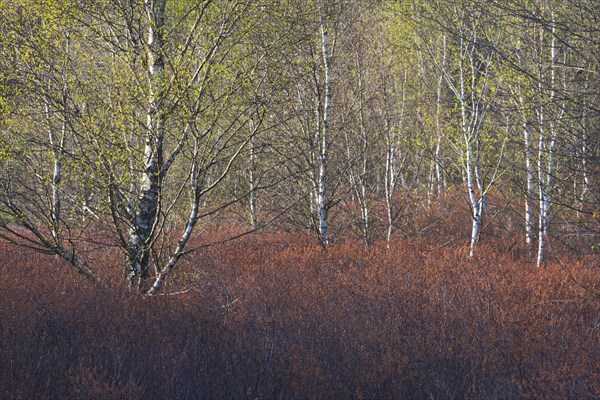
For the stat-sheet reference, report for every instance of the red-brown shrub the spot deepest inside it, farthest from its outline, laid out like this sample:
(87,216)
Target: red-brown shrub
(275,316)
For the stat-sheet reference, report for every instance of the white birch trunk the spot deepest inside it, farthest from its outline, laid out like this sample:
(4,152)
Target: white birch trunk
(530,196)
(189,227)
(389,179)
(530,179)
(547,152)
(585,169)
(473,112)
(199,191)
(546,188)
(57,146)
(57,139)
(252,173)
(365,201)
(438,123)
(325,132)
(315,160)
(391,158)
(143,227)
(362,191)
(467,123)
(476,205)
(584,152)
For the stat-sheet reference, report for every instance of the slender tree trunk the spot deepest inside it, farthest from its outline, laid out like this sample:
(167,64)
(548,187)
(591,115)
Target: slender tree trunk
(325,133)
(469,126)
(542,195)
(389,179)
(438,123)
(57,145)
(365,202)
(315,162)
(530,196)
(189,227)
(143,227)
(546,189)
(363,193)
(585,170)
(391,156)
(530,184)
(476,204)
(529,167)
(546,173)
(253,199)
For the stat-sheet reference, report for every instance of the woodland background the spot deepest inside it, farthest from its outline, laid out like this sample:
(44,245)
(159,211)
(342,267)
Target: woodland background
(299,199)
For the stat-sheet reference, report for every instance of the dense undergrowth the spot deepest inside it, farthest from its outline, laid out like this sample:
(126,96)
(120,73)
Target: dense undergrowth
(274,316)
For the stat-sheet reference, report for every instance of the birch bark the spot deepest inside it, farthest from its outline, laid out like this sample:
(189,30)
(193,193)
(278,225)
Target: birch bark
(547,145)
(471,89)
(390,177)
(253,181)
(530,172)
(143,226)
(438,124)
(325,131)
(392,154)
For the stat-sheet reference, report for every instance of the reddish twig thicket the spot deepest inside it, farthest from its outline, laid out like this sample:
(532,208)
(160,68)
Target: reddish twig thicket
(275,316)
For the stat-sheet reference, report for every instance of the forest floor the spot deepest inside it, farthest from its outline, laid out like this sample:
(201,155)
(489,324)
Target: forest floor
(272,315)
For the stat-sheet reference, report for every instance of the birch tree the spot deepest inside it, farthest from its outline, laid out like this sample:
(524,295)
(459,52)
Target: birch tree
(310,121)
(38,58)
(553,78)
(548,66)
(166,130)
(545,69)
(469,76)
(327,30)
